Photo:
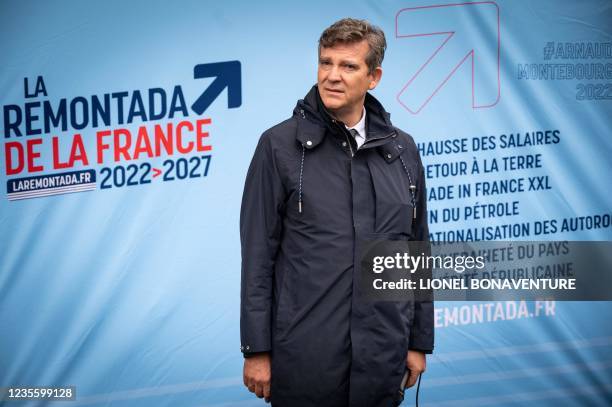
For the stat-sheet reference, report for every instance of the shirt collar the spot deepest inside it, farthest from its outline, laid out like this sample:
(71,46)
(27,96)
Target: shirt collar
(360,126)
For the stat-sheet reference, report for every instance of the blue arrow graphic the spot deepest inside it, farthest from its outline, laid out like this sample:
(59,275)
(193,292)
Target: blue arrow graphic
(227,76)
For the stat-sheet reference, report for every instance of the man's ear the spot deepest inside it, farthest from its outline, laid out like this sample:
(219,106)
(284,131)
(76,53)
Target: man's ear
(375,77)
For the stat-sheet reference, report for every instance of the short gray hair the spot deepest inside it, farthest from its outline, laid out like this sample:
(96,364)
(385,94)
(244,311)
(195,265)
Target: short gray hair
(350,30)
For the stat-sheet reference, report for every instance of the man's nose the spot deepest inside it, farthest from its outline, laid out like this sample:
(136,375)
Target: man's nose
(334,74)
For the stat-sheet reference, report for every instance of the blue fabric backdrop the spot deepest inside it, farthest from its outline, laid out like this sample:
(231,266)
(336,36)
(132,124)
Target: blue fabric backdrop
(127,285)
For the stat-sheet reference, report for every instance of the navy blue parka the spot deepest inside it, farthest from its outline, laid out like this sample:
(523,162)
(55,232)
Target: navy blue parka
(310,197)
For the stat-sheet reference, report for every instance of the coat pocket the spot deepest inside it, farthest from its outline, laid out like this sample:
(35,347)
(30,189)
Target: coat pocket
(394,217)
(284,304)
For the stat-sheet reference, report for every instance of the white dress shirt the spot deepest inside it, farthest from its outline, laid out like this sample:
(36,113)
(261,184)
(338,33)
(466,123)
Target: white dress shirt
(360,128)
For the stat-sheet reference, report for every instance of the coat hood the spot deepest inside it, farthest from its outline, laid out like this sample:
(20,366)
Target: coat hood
(318,119)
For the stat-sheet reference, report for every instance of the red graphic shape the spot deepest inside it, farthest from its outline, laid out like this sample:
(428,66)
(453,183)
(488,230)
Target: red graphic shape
(456,22)
(156,172)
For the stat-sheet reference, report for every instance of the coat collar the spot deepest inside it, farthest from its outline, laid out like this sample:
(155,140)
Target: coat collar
(314,121)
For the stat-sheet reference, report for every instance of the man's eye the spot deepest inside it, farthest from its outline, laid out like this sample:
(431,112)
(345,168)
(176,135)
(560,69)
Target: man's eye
(326,63)
(351,67)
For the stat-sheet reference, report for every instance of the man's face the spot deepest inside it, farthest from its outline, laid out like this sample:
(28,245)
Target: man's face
(343,77)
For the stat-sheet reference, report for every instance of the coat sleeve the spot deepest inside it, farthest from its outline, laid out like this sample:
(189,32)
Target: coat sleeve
(260,230)
(422,329)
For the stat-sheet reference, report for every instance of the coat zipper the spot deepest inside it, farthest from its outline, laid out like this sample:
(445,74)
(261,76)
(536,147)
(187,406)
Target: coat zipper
(377,138)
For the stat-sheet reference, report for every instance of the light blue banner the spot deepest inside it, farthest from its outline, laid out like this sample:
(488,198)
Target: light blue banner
(127,129)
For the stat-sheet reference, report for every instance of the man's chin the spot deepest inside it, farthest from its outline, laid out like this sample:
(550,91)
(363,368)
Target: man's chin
(332,105)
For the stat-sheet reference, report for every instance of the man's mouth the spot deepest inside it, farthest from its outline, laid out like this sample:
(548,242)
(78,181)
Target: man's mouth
(334,91)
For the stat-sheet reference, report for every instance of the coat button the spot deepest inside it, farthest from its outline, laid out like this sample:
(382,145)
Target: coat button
(309,143)
(247,348)
(389,156)
(344,144)
(399,146)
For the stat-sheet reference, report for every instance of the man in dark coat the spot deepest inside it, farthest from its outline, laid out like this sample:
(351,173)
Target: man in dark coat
(335,174)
